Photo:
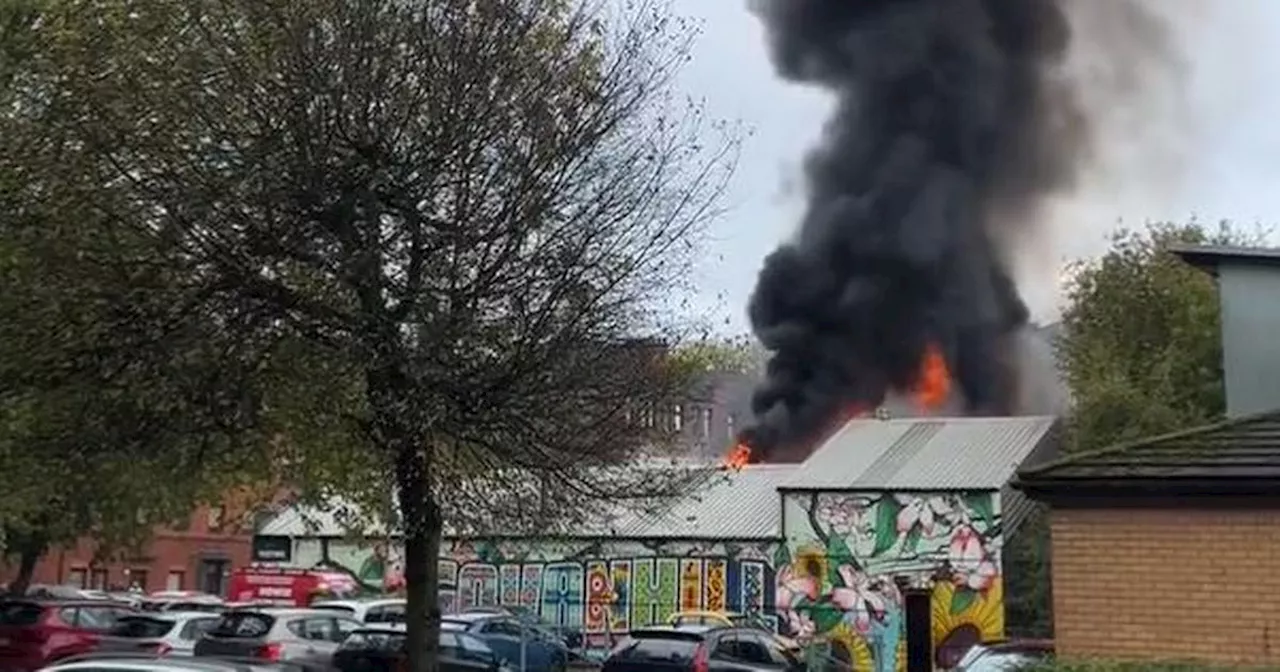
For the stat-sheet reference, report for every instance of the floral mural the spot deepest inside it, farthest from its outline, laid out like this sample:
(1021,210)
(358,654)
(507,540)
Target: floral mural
(837,576)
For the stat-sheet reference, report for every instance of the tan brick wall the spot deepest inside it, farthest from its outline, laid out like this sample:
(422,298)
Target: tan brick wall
(1167,584)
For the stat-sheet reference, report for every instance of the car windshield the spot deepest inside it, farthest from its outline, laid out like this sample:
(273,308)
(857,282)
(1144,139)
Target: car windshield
(141,626)
(999,662)
(342,608)
(675,646)
(20,613)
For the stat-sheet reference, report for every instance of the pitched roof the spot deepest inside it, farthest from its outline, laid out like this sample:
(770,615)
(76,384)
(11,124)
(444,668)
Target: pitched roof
(1237,456)
(738,505)
(923,454)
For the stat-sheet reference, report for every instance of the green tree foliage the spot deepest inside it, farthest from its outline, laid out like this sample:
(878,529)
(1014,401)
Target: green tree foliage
(1141,352)
(734,355)
(1140,344)
(453,217)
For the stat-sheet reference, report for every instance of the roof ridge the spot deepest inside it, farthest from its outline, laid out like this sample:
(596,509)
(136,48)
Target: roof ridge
(1150,441)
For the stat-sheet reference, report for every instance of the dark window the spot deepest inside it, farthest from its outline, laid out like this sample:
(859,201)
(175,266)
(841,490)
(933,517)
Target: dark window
(475,647)
(661,648)
(97,618)
(726,647)
(752,649)
(391,613)
(197,627)
(20,613)
(243,624)
(502,628)
(141,626)
(342,608)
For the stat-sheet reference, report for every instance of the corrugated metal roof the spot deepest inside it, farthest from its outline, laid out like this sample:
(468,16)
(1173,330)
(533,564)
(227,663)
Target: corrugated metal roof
(922,454)
(737,505)
(732,505)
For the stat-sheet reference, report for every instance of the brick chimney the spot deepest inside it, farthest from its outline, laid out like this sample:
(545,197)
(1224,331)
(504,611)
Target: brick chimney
(1249,296)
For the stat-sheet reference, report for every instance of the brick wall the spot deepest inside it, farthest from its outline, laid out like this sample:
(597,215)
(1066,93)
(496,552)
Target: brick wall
(1168,583)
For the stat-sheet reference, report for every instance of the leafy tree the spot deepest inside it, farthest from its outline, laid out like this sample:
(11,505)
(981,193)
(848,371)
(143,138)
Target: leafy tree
(737,354)
(1140,345)
(1141,352)
(459,215)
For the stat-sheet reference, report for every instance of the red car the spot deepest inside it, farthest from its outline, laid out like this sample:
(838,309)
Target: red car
(34,633)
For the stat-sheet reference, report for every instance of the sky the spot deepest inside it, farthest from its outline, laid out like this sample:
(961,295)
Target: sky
(1205,143)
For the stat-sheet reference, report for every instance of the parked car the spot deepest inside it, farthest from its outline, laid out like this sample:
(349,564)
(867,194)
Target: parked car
(572,637)
(373,610)
(728,619)
(182,601)
(381,648)
(168,633)
(1005,656)
(305,637)
(34,633)
(507,635)
(115,662)
(701,648)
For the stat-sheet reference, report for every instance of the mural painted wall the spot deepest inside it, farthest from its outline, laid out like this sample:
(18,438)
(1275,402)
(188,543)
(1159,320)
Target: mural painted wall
(600,588)
(835,584)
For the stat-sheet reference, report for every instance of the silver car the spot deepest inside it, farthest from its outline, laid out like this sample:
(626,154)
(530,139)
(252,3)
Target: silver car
(168,633)
(304,637)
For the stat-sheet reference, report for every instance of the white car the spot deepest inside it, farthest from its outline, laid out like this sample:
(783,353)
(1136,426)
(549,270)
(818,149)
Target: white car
(167,633)
(377,610)
(1004,656)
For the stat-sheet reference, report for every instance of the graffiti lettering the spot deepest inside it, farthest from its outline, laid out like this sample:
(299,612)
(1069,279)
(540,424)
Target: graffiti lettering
(609,596)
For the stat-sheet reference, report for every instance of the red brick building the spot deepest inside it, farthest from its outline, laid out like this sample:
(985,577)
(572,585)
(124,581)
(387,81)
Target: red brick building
(199,556)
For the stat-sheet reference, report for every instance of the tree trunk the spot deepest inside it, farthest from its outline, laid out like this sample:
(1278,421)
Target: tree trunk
(422,532)
(29,550)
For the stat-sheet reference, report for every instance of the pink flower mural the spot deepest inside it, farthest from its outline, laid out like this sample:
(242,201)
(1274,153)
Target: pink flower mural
(795,590)
(860,600)
(925,512)
(971,565)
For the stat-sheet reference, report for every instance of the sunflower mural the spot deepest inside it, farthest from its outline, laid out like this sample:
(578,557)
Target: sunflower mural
(837,587)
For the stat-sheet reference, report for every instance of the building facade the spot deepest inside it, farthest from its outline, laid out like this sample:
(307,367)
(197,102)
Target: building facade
(1173,541)
(826,555)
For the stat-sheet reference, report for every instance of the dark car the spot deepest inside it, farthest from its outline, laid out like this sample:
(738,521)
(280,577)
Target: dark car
(543,651)
(35,633)
(307,638)
(382,649)
(702,649)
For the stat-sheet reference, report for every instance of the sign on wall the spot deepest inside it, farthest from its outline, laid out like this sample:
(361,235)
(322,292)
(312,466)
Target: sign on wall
(272,549)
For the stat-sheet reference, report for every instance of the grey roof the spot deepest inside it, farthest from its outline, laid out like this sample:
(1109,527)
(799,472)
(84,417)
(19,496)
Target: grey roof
(1210,257)
(922,454)
(732,505)
(741,505)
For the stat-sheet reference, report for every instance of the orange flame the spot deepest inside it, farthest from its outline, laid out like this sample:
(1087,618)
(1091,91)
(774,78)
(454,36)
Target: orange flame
(934,384)
(739,457)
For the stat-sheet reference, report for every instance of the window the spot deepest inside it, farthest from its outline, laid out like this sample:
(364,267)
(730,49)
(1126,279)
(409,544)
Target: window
(752,649)
(138,577)
(706,422)
(343,627)
(315,629)
(215,518)
(502,628)
(196,627)
(389,613)
(174,580)
(677,417)
(98,579)
(141,626)
(96,618)
(78,577)
(728,422)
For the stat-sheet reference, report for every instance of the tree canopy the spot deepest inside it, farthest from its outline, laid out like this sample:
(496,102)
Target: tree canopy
(1140,343)
(438,232)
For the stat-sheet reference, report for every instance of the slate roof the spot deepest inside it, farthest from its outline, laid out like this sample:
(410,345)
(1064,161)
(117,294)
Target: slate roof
(1209,257)
(923,454)
(1237,456)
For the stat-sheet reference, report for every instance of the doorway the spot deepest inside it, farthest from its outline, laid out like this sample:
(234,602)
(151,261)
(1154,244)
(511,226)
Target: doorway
(211,576)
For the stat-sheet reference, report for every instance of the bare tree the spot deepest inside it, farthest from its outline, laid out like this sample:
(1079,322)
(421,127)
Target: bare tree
(469,211)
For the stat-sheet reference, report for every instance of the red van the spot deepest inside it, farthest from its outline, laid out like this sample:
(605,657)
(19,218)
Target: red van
(289,587)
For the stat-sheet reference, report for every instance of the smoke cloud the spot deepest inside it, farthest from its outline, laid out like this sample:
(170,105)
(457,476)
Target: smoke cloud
(954,123)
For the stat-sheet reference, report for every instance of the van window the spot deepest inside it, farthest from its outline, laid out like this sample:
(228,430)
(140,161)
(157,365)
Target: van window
(243,624)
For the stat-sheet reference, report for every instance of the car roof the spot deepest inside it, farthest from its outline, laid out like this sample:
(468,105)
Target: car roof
(133,661)
(66,602)
(474,616)
(658,631)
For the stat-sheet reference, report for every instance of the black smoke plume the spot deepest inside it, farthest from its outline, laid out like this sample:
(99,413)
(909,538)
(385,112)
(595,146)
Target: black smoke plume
(953,120)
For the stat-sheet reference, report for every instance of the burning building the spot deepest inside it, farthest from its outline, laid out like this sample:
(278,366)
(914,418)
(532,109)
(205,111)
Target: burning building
(954,122)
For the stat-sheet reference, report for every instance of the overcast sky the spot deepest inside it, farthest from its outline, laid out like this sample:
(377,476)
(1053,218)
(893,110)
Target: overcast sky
(1218,156)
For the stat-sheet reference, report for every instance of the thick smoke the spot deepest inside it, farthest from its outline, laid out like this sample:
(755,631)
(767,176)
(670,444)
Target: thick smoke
(953,123)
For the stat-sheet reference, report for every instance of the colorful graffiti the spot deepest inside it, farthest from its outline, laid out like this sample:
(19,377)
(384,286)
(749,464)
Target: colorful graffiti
(378,565)
(837,580)
(601,589)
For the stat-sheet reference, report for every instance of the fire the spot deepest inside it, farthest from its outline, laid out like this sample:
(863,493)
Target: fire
(934,384)
(738,457)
